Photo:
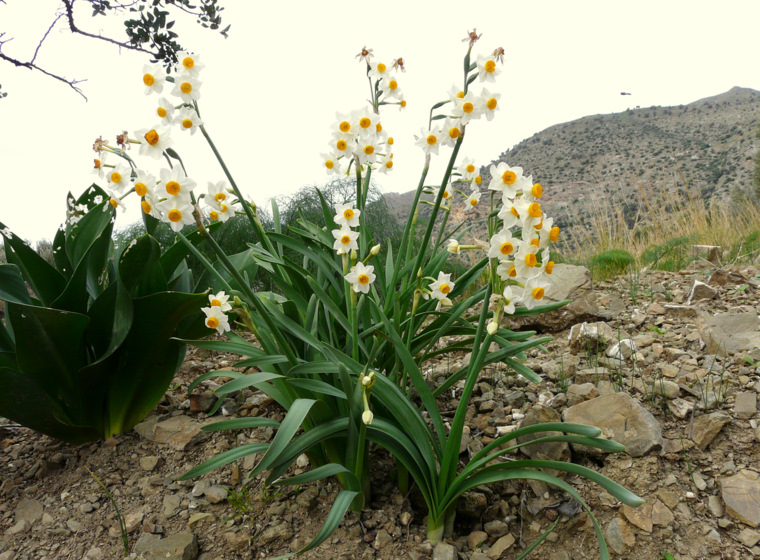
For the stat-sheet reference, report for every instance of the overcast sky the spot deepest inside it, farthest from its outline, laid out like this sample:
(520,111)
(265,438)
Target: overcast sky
(271,90)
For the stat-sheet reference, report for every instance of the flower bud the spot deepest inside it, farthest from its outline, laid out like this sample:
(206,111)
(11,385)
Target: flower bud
(367,417)
(493,327)
(375,251)
(453,247)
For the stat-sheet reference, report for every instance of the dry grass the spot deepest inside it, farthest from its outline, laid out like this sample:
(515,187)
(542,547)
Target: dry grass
(668,213)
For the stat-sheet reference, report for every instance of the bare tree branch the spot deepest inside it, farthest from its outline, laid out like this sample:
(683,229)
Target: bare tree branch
(74,29)
(37,50)
(33,66)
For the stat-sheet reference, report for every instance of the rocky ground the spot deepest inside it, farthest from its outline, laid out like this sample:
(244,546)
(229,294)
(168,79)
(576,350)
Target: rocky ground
(665,363)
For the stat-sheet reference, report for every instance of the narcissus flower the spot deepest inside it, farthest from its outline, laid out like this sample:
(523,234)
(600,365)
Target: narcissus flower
(467,169)
(175,183)
(119,178)
(188,120)
(428,140)
(176,211)
(153,141)
(490,103)
(346,215)
(187,87)
(216,319)
(502,246)
(145,184)
(390,89)
(453,247)
(154,78)
(361,277)
(472,200)
(165,111)
(189,63)
(220,300)
(345,240)
(332,164)
(534,292)
(487,69)
(442,287)
(508,180)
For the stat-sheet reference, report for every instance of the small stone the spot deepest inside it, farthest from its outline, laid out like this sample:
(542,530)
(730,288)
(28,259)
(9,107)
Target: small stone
(706,427)
(171,505)
(680,408)
(661,515)
(73,525)
(280,532)
(619,536)
(700,290)
(498,548)
(745,405)
(237,541)
(28,510)
(133,520)
(715,506)
(444,551)
(198,517)
(20,527)
(640,516)
(496,528)
(215,494)
(183,546)
(150,463)
(741,494)
(405,518)
(93,554)
(382,539)
(476,539)
(749,538)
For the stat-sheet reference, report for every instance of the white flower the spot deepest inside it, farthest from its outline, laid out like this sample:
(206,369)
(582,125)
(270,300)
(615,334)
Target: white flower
(345,240)
(378,70)
(165,111)
(189,63)
(428,140)
(472,200)
(487,69)
(533,292)
(502,245)
(508,180)
(219,211)
(367,417)
(361,277)
(525,261)
(347,215)
(490,103)
(217,191)
(509,300)
(453,247)
(220,300)
(467,169)
(466,108)
(390,89)
(441,288)
(332,164)
(188,119)
(216,319)
(145,184)
(176,183)
(153,141)
(119,178)
(450,131)
(187,87)
(176,211)
(154,77)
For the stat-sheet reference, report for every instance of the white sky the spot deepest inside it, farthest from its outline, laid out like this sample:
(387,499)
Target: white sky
(272,89)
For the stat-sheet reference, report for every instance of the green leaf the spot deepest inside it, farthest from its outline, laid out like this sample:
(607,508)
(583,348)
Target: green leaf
(138,267)
(110,320)
(95,224)
(336,515)
(313,475)
(295,416)
(211,374)
(316,386)
(12,285)
(246,381)
(44,279)
(240,423)
(224,459)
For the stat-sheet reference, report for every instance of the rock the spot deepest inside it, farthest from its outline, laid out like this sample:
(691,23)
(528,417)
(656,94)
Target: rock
(680,408)
(472,504)
(133,520)
(661,515)
(715,506)
(622,350)
(496,528)
(202,403)
(382,539)
(8,554)
(237,541)
(700,290)
(712,253)
(171,505)
(640,516)
(28,510)
(215,494)
(619,536)
(177,431)
(150,463)
(183,546)
(745,405)
(555,451)
(621,418)
(741,494)
(444,551)
(20,527)
(280,532)
(591,337)
(476,539)
(706,427)
(731,332)
(198,517)
(749,538)
(498,548)
(93,554)
(567,282)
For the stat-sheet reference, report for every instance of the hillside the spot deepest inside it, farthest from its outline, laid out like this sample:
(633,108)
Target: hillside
(707,145)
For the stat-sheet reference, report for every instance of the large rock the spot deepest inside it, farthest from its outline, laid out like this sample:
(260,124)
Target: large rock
(621,418)
(741,494)
(705,428)
(567,282)
(177,431)
(731,332)
(183,546)
(553,451)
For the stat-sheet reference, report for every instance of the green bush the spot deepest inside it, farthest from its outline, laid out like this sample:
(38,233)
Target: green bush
(672,255)
(610,263)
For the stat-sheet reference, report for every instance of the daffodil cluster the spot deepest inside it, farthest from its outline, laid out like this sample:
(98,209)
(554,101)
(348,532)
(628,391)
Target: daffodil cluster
(358,139)
(168,197)
(216,317)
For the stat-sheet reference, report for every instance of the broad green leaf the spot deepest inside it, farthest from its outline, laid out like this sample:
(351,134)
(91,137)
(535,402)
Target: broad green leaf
(138,267)
(110,321)
(12,285)
(94,225)
(44,279)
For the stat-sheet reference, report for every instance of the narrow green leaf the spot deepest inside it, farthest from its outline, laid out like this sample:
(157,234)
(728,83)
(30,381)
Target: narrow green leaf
(211,374)
(313,475)
(316,386)
(224,459)
(248,380)
(295,416)
(240,423)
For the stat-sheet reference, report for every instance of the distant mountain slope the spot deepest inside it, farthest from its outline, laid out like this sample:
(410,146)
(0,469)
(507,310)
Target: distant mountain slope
(709,145)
